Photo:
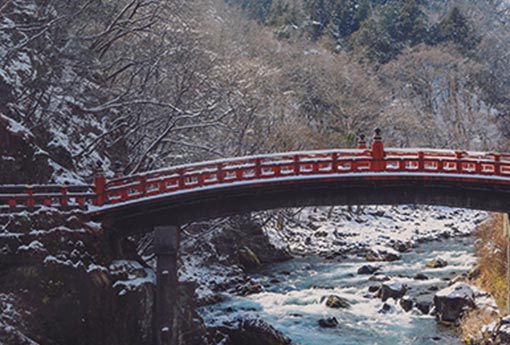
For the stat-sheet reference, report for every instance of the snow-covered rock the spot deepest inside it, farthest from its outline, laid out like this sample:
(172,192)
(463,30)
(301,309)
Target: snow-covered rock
(391,289)
(381,253)
(451,302)
(356,231)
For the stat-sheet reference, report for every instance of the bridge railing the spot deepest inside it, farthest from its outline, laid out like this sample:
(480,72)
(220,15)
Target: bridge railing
(277,167)
(301,164)
(62,196)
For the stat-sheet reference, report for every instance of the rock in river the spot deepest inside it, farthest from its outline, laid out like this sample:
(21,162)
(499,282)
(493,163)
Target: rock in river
(381,253)
(450,303)
(368,269)
(406,303)
(252,332)
(334,301)
(392,289)
(330,322)
(248,259)
(437,263)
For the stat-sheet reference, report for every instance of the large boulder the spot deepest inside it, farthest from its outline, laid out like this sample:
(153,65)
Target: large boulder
(248,259)
(391,289)
(451,303)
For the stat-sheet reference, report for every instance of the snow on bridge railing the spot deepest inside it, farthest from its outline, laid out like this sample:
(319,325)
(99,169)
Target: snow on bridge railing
(360,161)
(62,196)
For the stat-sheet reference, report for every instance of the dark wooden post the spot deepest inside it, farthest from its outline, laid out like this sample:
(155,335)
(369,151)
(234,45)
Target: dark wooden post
(506,229)
(497,163)
(30,202)
(99,189)
(166,248)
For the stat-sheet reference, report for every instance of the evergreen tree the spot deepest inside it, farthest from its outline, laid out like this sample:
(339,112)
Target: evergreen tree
(456,28)
(345,19)
(362,11)
(319,17)
(404,22)
(372,41)
(410,25)
(279,14)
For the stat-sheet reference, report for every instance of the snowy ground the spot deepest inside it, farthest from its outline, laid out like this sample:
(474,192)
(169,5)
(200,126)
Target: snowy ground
(339,231)
(326,230)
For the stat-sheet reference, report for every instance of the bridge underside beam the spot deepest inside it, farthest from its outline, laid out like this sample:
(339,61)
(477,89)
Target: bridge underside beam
(166,248)
(225,202)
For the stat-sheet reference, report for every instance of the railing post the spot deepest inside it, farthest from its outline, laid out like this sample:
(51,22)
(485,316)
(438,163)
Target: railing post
(377,152)
(166,248)
(99,189)
(47,201)
(497,163)
(421,161)
(219,173)
(64,199)
(458,156)
(334,163)
(258,167)
(181,179)
(30,202)
(362,143)
(143,185)
(296,165)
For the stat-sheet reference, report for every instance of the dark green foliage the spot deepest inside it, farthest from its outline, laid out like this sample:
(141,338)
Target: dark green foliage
(373,42)
(257,9)
(457,29)
(319,16)
(381,38)
(378,29)
(410,24)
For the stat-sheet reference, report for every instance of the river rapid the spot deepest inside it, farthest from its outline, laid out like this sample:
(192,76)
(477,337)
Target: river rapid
(291,300)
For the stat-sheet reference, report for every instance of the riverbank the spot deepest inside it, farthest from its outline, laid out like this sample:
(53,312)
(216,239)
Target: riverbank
(334,244)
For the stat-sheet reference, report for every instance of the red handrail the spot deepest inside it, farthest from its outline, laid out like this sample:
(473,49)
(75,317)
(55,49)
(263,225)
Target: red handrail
(259,168)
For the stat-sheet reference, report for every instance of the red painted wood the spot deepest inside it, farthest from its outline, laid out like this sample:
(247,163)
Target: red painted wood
(29,201)
(226,172)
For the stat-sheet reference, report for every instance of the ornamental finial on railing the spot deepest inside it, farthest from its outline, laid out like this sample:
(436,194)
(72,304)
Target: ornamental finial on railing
(362,143)
(377,147)
(99,185)
(377,134)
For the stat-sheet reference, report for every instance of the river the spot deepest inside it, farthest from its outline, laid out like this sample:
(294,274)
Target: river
(291,301)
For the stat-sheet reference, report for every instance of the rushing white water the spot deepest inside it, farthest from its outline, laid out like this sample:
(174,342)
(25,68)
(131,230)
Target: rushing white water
(291,301)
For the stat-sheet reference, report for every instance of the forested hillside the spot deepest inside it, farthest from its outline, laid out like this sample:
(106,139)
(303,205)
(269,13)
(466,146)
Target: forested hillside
(128,86)
(125,86)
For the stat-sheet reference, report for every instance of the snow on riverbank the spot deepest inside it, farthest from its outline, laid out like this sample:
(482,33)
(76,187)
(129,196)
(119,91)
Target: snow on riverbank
(338,230)
(326,232)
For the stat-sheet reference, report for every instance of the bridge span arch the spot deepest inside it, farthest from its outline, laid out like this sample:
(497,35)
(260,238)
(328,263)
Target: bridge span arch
(361,176)
(138,216)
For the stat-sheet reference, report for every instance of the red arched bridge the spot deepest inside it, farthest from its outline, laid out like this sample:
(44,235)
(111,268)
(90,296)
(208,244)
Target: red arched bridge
(162,200)
(364,175)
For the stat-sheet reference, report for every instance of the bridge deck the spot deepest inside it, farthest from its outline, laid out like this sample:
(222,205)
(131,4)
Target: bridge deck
(484,170)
